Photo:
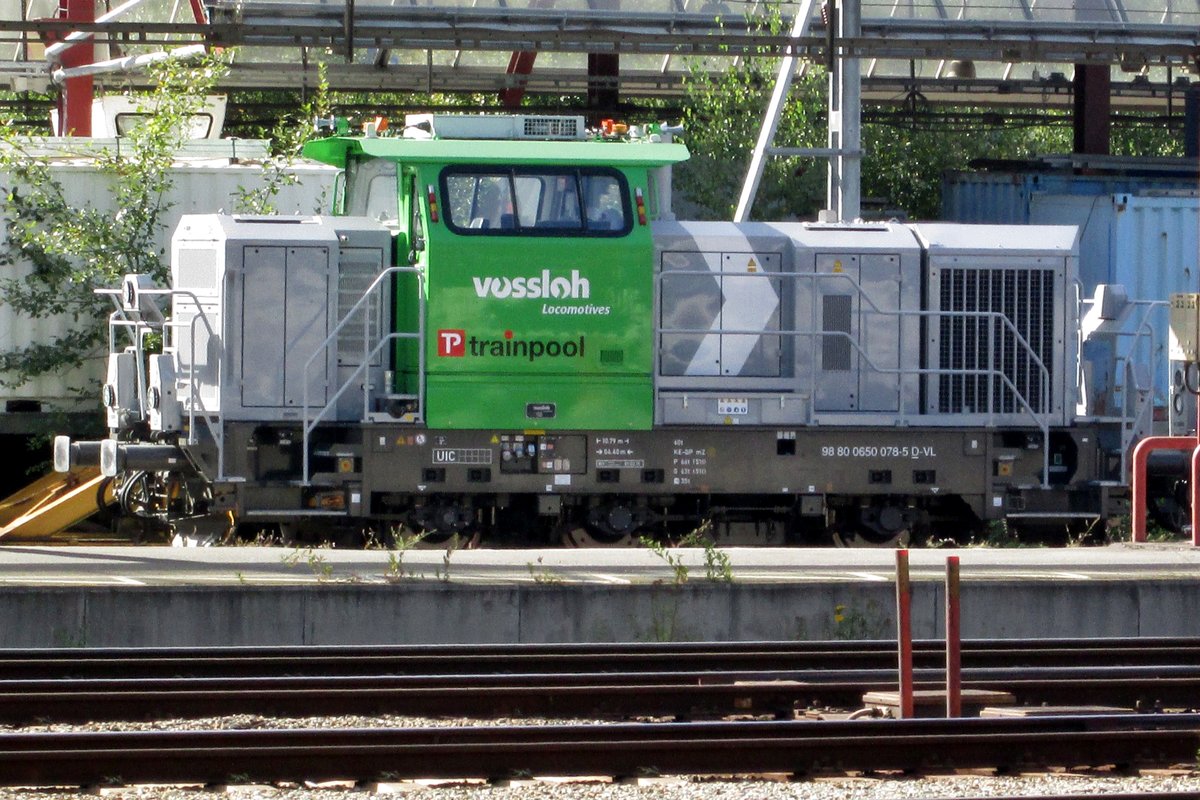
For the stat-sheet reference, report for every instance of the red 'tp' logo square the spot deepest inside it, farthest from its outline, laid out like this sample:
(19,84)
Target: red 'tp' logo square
(452,343)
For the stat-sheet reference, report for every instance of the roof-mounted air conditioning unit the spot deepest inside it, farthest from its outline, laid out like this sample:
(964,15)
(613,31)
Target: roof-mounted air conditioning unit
(516,126)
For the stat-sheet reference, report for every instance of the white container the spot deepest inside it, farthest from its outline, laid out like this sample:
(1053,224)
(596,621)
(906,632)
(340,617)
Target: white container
(200,186)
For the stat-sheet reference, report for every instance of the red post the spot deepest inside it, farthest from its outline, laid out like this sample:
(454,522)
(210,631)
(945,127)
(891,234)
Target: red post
(1195,479)
(904,626)
(1141,453)
(1194,475)
(520,64)
(75,109)
(953,642)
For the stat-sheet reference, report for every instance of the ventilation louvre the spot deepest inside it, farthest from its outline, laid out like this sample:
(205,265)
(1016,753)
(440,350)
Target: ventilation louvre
(551,127)
(972,347)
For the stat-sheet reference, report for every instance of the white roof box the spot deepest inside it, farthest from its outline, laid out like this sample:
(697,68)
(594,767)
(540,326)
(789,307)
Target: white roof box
(115,115)
(478,126)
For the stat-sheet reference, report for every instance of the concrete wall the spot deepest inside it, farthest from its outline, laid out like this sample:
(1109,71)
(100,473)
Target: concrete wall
(329,614)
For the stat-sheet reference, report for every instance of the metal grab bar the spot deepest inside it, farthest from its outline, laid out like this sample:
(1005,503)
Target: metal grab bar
(309,425)
(1038,419)
(216,425)
(1029,351)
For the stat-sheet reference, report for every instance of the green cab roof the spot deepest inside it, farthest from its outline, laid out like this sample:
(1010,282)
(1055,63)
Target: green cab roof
(337,150)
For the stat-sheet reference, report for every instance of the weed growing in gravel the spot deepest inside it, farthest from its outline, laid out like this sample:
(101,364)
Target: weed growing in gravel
(443,574)
(717,566)
(396,571)
(850,623)
(673,560)
(716,561)
(541,574)
(316,562)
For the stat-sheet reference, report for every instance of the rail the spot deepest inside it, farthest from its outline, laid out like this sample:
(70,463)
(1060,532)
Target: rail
(603,692)
(241,756)
(151,663)
(309,424)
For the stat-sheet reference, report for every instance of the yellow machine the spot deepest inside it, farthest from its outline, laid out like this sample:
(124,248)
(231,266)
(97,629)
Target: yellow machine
(52,504)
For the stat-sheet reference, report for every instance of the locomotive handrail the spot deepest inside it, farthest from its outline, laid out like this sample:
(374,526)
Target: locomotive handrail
(1030,352)
(1039,419)
(217,427)
(137,325)
(197,397)
(993,373)
(323,348)
(1131,425)
(309,427)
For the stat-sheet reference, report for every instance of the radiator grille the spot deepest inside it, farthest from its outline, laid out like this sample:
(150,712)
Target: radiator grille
(836,311)
(551,127)
(353,279)
(967,344)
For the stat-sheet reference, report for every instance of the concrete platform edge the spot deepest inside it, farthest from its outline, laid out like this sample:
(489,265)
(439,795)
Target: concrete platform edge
(419,613)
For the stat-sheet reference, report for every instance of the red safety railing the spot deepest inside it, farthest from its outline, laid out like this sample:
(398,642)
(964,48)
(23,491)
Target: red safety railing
(1141,455)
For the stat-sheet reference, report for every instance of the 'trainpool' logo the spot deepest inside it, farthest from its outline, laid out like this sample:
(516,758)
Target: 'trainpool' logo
(454,343)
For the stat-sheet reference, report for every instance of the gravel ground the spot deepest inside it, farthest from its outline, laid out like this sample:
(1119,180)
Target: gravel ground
(822,788)
(959,786)
(256,722)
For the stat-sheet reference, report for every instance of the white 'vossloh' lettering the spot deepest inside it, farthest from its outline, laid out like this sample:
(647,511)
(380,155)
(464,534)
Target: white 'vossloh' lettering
(535,287)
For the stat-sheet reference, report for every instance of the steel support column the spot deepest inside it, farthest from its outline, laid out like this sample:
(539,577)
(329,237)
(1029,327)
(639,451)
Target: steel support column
(1093,105)
(845,119)
(766,134)
(75,102)
(603,71)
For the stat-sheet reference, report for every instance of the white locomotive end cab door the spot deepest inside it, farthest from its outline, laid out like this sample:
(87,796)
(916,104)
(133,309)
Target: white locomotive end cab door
(860,340)
(284,321)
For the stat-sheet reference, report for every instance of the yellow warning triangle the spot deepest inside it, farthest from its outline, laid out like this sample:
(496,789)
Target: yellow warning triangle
(751,265)
(495,439)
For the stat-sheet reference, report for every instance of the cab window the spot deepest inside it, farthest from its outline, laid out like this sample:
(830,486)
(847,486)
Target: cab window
(490,201)
(372,190)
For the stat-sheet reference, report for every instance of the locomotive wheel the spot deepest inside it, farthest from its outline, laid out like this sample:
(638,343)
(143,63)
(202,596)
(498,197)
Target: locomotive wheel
(859,539)
(578,536)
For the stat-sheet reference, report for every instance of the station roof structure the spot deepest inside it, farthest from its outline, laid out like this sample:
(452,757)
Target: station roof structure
(988,52)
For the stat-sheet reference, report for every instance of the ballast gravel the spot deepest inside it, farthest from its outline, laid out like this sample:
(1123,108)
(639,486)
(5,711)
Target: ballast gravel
(873,787)
(958,786)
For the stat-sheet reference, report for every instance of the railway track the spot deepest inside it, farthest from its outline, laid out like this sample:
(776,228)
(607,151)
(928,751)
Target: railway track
(690,680)
(618,750)
(582,658)
(680,694)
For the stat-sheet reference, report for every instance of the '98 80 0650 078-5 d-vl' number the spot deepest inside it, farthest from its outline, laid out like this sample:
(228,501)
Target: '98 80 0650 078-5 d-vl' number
(878,451)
